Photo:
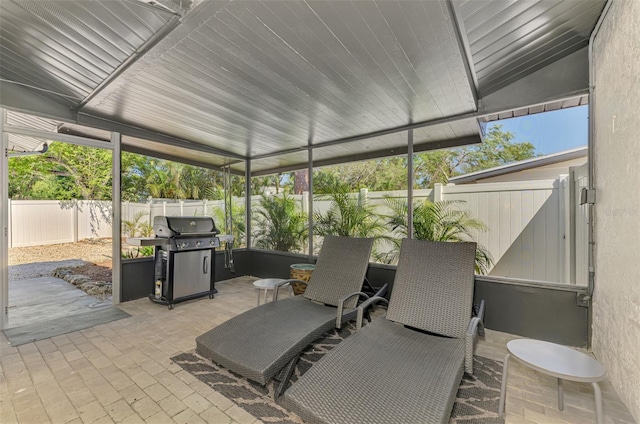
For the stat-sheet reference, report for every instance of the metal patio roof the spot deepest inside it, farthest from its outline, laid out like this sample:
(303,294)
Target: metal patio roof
(217,82)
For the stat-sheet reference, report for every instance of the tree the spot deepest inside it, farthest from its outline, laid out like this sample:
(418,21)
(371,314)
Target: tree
(431,167)
(376,175)
(437,221)
(279,225)
(498,148)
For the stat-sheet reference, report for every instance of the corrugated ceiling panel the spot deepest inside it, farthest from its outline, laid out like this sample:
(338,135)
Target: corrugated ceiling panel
(20,143)
(258,77)
(510,39)
(70,47)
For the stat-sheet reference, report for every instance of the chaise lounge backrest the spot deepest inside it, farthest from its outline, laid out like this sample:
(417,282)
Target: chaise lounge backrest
(433,287)
(340,270)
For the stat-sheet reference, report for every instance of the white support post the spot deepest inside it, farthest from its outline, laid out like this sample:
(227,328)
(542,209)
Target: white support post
(182,208)
(304,202)
(4,222)
(164,208)
(149,204)
(116,219)
(9,226)
(75,223)
(437,192)
(565,228)
(363,197)
(128,211)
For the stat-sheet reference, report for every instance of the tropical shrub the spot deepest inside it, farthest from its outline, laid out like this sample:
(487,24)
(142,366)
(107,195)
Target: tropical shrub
(238,224)
(438,221)
(279,224)
(349,215)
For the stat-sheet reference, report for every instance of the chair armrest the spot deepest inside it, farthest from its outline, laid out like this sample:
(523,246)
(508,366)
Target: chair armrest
(341,303)
(276,288)
(476,326)
(366,304)
(382,291)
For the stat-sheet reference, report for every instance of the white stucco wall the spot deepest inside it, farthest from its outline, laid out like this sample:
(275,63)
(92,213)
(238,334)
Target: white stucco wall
(616,302)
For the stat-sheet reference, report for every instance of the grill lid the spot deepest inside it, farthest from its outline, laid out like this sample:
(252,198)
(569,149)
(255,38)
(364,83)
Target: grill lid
(172,226)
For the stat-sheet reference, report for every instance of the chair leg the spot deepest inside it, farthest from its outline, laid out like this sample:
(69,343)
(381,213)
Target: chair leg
(598,395)
(286,375)
(560,395)
(503,389)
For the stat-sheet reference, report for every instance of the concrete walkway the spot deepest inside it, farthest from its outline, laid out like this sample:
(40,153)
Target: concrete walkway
(46,298)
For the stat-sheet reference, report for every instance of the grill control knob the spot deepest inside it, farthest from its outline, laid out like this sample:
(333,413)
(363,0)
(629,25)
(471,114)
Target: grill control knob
(212,242)
(183,245)
(198,243)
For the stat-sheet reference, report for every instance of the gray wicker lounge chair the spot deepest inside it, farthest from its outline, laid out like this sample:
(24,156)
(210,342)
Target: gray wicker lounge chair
(397,369)
(259,343)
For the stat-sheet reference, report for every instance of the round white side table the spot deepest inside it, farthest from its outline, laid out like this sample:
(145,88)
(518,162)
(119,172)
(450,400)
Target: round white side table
(557,361)
(267,284)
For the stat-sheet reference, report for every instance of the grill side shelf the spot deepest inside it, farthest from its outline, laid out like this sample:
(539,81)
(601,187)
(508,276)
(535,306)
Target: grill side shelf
(148,241)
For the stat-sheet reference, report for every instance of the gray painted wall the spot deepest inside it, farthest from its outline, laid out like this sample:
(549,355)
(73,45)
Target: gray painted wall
(616,300)
(529,311)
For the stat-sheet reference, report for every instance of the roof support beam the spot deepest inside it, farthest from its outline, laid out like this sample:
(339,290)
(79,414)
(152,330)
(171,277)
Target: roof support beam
(147,152)
(130,130)
(141,51)
(465,50)
(396,151)
(46,135)
(19,98)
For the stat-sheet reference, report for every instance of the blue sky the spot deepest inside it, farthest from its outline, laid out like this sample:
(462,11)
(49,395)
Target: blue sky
(550,132)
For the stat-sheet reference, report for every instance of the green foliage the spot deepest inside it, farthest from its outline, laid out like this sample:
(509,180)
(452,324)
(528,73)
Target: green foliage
(438,221)
(348,216)
(237,216)
(137,252)
(279,224)
(68,172)
(376,175)
(497,149)
(64,172)
(431,167)
(138,226)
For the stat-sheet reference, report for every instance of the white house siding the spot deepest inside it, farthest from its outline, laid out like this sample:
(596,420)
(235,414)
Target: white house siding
(616,302)
(539,173)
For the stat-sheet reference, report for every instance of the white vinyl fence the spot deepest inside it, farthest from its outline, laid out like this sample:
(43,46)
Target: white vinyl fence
(536,229)
(38,222)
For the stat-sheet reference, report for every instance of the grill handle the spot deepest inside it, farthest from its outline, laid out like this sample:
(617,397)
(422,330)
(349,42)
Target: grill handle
(205,265)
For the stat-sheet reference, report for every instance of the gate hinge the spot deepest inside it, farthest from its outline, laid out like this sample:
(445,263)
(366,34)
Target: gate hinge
(583,299)
(587,196)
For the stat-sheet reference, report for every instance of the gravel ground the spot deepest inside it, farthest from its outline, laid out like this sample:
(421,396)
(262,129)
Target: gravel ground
(39,261)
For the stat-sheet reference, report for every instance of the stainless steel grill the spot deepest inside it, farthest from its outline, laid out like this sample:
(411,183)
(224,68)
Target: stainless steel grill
(184,258)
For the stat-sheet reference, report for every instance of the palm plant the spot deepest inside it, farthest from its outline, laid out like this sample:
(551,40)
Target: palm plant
(238,225)
(439,221)
(139,226)
(349,216)
(279,224)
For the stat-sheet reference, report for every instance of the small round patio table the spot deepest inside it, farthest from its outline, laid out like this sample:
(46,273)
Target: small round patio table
(267,284)
(557,361)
